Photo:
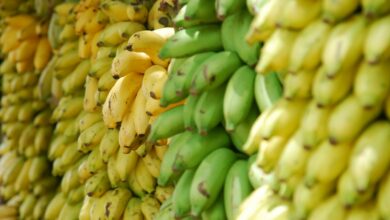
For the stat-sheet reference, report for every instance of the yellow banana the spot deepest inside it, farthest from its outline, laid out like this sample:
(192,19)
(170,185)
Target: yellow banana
(85,44)
(106,82)
(163,193)
(344,46)
(89,102)
(101,96)
(325,155)
(84,18)
(27,207)
(97,184)
(70,180)
(120,99)
(117,33)
(255,202)
(68,33)
(152,163)
(95,161)
(376,45)
(298,85)
(137,13)
(372,84)
(41,145)
(100,66)
(383,196)
(109,144)
(27,32)
(91,136)
(22,181)
(129,62)
(276,52)
(41,205)
(133,210)
(125,164)
(86,207)
(70,211)
(160,151)
(150,207)
(19,21)
(335,11)
(26,49)
(331,208)
(8,39)
(115,202)
(67,46)
(141,119)
(106,52)
(76,79)
(127,133)
(68,60)
(54,207)
(116,11)
(387,107)
(153,81)
(298,14)
(7,211)
(113,175)
(68,107)
(70,156)
(368,210)
(64,8)
(270,151)
(144,177)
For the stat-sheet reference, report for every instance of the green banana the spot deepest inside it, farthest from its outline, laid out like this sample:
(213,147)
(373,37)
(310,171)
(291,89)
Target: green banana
(97,184)
(180,19)
(238,97)
(189,112)
(202,10)
(216,211)
(240,134)
(209,109)
(268,90)
(209,179)
(225,8)
(191,41)
(169,94)
(181,194)
(167,124)
(214,71)
(166,173)
(193,152)
(227,32)
(185,72)
(237,187)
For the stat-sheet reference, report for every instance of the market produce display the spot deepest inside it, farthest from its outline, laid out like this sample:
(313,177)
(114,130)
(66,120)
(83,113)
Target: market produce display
(195,109)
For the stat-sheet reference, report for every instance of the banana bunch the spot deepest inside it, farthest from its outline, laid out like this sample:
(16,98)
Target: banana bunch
(11,8)
(316,146)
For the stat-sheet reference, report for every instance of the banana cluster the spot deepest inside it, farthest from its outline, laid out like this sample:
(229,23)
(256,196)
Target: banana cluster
(322,150)
(27,185)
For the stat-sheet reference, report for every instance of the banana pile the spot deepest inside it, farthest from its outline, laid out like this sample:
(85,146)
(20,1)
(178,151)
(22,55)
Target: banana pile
(26,183)
(322,150)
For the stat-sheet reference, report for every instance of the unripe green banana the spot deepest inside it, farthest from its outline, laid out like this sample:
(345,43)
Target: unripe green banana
(214,71)
(268,90)
(189,112)
(201,10)
(237,187)
(169,123)
(166,172)
(376,47)
(209,109)
(225,8)
(193,152)
(169,94)
(209,179)
(216,211)
(344,46)
(372,84)
(348,119)
(325,155)
(181,194)
(184,43)
(239,97)
(368,168)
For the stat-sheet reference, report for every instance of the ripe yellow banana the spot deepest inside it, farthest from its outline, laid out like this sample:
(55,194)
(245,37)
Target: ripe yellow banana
(88,202)
(27,207)
(84,45)
(368,210)
(383,196)
(120,99)
(42,54)
(97,184)
(133,210)
(116,11)
(344,46)
(70,180)
(130,62)
(298,14)
(376,45)
(298,85)
(331,208)
(153,81)
(83,171)
(91,137)
(255,202)
(335,11)
(270,151)
(22,181)
(152,163)
(141,119)
(115,202)
(54,207)
(137,13)
(9,40)
(26,49)
(68,107)
(89,101)
(125,164)
(68,60)
(106,82)
(109,145)
(144,177)
(150,207)
(7,211)
(326,155)
(41,145)
(116,33)
(95,161)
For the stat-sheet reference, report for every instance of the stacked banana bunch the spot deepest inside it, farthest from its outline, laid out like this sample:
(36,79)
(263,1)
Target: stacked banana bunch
(322,149)
(11,8)
(211,72)
(26,182)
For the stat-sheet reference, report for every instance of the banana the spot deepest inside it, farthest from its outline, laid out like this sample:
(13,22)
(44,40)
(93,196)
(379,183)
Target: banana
(83,170)
(120,99)
(313,131)
(126,164)
(166,173)
(91,137)
(10,175)
(375,8)
(26,49)
(133,210)
(264,22)
(152,163)
(169,93)
(365,211)
(115,202)
(94,161)
(240,134)
(209,179)
(127,135)
(137,13)
(214,71)
(97,208)
(192,152)
(57,146)
(97,184)
(216,211)
(298,85)
(42,54)
(180,19)
(67,108)
(22,181)
(111,171)
(54,207)
(100,66)
(189,112)
(63,125)
(380,51)
(88,202)
(224,8)
(371,84)
(41,145)
(12,42)
(68,60)
(150,207)
(104,52)
(160,15)
(70,211)
(167,124)
(11,113)
(136,186)
(27,207)
(116,33)
(70,180)
(236,188)
(130,62)
(240,91)
(348,193)
(340,52)
(331,208)
(116,11)
(276,52)
(387,107)
(68,33)
(340,128)
(298,14)
(106,82)
(184,43)
(258,177)
(109,144)
(366,170)
(383,196)
(149,42)
(70,155)
(41,205)
(76,79)
(8,211)
(154,81)
(166,211)
(89,101)
(335,11)
(146,179)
